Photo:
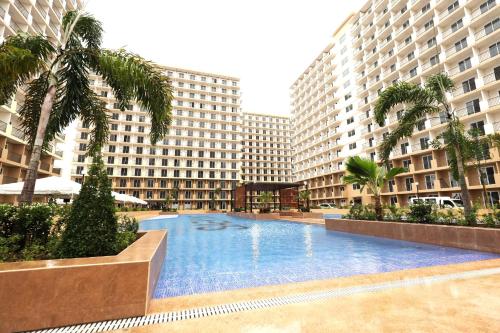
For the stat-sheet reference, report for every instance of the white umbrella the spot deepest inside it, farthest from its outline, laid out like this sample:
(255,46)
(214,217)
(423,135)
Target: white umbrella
(45,186)
(58,186)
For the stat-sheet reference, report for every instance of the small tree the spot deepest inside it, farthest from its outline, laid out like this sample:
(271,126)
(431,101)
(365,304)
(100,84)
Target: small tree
(366,172)
(304,197)
(168,201)
(92,225)
(265,199)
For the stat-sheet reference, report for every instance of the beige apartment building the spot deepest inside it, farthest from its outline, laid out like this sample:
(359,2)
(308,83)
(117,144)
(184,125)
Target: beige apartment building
(197,164)
(35,17)
(267,149)
(390,41)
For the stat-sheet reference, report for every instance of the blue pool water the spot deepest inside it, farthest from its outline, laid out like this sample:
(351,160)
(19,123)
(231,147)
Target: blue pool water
(215,252)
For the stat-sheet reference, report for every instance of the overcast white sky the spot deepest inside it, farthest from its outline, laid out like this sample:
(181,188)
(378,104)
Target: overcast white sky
(267,44)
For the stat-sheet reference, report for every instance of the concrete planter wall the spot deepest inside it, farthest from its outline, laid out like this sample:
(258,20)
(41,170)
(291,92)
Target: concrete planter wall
(255,216)
(307,215)
(481,239)
(51,293)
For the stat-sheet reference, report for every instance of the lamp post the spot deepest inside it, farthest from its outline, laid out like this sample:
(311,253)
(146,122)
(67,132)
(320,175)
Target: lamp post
(83,176)
(416,185)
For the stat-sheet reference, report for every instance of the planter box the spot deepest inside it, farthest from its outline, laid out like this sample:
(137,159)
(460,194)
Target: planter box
(50,293)
(255,216)
(480,239)
(169,213)
(307,215)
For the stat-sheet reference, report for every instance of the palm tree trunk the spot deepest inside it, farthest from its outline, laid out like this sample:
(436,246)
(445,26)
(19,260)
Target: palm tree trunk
(462,182)
(36,152)
(378,208)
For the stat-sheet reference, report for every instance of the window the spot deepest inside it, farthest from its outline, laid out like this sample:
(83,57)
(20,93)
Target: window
(409,183)
(487,5)
(494,49)
(492,26)
(469,85)
(453,6)
(488,175)
(404,148)
(473,106)
(429,181)
(460,45)
(406,164)
(427,161)
(457,25)
(424,143)
(478,126)
(465,64)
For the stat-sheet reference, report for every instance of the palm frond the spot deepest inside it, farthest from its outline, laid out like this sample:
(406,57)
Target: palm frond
(398,93)
(83,29)
(394,172)
(361,167)
(22,57)
(31,108)
(405,128)
(132,77)
(94,113)
(438,85)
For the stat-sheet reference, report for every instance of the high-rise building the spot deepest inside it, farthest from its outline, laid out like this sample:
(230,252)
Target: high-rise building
(266,148)
(35,17)
(198,163)
(389,41)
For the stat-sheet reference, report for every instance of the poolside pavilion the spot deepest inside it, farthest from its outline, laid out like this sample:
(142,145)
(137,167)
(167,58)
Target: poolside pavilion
(285,195)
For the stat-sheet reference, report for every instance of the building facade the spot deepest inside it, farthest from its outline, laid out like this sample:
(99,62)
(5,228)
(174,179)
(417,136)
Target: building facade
(266,148)
(390,41)
(35,17)
(197,164)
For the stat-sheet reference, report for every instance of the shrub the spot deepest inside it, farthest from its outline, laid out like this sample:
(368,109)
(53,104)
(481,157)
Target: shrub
(490,220)
(126,223)
(421,212)
(7,220)
(92,225)
(36,222)
(360,212)
(395,213)
(123,240)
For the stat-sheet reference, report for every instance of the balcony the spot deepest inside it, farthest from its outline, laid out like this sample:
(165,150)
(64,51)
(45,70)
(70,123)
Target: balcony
(481,10)
(484,32)
(2,13)
(494,101)
(492,77)
(22,9)
(15,157)
(3,126)
(18,133)
(487,54)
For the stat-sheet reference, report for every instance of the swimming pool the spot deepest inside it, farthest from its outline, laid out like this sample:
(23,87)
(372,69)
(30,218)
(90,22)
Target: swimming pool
(215,252)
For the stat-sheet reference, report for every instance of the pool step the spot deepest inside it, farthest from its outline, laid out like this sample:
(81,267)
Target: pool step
(209,311)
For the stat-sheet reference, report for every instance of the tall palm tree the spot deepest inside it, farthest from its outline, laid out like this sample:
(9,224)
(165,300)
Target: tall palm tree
(427,100)
(58,89)
(366,172)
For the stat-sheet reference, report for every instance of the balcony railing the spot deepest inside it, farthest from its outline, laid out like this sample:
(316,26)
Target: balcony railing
(3,126)
(446,13)
(12,156)
(42,11)
(2,12)
(481,10)
(18,133)
(14,26)
(487,54)
(452,50)
(8,180)
(22,9)
(491,78)
(494,101)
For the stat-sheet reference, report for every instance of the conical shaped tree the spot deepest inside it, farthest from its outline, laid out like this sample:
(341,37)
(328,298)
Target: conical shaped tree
(92,224)
(58,89)
(422,101)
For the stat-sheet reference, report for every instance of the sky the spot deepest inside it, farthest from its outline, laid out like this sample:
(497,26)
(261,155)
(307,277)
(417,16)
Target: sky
(267,44)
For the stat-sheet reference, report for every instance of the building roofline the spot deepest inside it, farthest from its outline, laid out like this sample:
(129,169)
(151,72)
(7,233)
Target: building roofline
(266,114)
(193,71)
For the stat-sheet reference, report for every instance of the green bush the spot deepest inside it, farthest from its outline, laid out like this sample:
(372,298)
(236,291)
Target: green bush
(123,240)
(92,225)
(7,220)
(36,222)
(421,212)
(126,224)
(360,212)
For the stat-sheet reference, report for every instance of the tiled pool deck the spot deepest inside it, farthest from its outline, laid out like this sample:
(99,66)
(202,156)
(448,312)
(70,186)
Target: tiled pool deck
(469,305)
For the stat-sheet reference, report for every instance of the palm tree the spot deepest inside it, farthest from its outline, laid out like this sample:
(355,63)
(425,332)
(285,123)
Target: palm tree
(264,199)
(366,172)
(427,100)
(304,197)
(58,89)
